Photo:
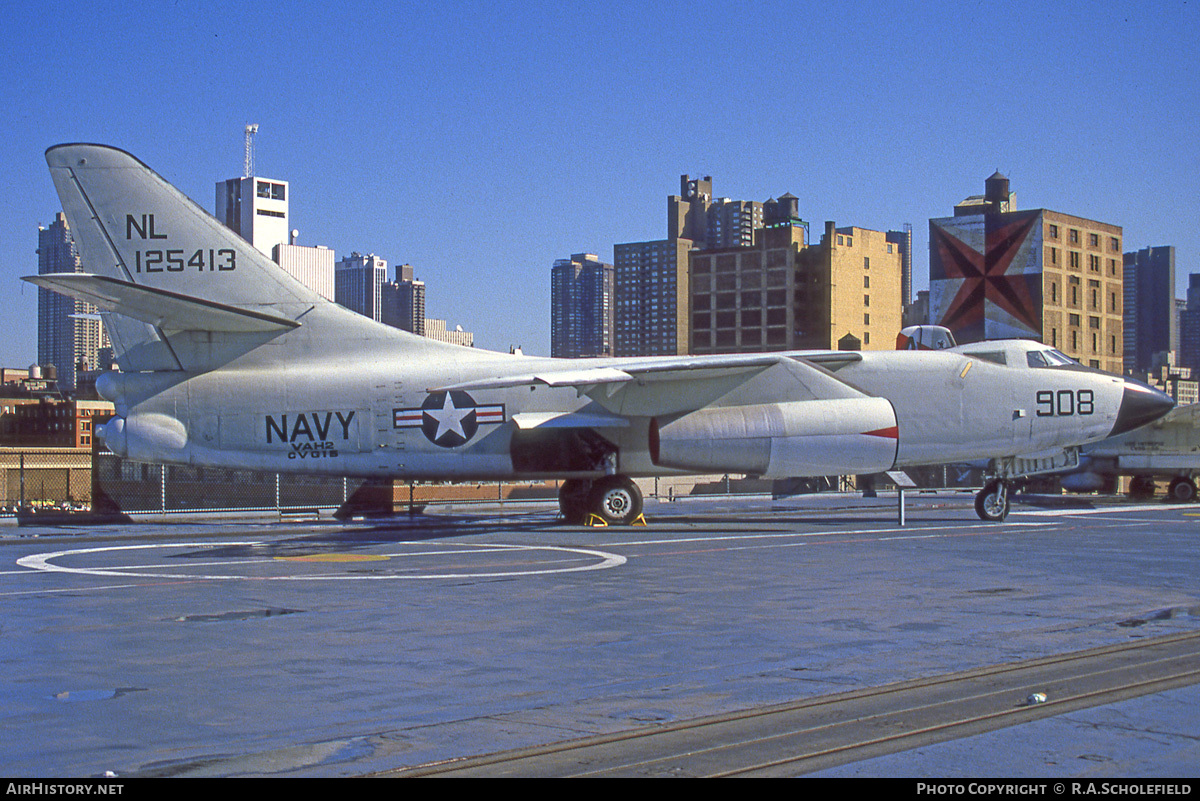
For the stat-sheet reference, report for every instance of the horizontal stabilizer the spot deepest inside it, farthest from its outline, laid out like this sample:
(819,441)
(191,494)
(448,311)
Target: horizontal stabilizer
(161,308)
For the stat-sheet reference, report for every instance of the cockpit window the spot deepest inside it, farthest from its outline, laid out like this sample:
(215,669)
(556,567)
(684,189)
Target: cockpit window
(995,356)
(1059,358)
(1049,358)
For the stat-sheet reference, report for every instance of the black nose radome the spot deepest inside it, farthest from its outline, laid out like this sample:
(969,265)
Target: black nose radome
(1141,404)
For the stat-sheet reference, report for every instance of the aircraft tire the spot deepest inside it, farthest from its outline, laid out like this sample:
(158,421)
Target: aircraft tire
(991,502)
(616,500)
(1182,490)
(573,497)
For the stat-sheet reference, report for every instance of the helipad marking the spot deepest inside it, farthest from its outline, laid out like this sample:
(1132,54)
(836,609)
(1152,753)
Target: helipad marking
(43,562)
(1097,510)
(336,558)
(903,533)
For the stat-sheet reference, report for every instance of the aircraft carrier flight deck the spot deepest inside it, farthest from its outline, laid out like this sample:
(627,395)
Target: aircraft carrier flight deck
(813,635)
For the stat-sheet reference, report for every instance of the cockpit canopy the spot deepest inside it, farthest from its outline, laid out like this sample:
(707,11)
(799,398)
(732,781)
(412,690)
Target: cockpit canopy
(1019,353)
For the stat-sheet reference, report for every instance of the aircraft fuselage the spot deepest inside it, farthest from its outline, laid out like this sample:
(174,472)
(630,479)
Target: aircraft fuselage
(380,419)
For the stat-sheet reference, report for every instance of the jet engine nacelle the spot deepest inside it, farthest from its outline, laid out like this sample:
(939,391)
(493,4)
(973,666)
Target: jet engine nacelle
(1086,481)
(145,437)
(797,438)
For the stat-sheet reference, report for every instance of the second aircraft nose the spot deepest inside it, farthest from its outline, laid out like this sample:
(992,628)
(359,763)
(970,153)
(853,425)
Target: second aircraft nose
(1140,405)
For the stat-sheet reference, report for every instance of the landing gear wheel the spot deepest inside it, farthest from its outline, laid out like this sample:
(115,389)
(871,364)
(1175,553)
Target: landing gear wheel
(573,496)
(1182,489)
(991,503)
(616,500)
(1141,488)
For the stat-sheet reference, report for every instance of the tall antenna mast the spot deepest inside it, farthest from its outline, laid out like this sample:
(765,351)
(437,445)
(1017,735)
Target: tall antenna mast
(251,130)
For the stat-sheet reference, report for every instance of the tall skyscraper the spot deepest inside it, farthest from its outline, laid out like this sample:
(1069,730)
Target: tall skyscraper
(999,273)
(581,307)
(1151,325)
(256,208)
(69,331)
(652,312)
(358,284)
(1189,327)
(404,301)
(903,241)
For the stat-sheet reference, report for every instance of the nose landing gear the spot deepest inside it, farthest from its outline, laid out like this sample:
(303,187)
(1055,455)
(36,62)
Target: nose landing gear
(991,503)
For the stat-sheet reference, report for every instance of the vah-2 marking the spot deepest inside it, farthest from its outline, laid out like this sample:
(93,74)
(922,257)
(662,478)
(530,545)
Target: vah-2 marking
(449,419)
(309,434)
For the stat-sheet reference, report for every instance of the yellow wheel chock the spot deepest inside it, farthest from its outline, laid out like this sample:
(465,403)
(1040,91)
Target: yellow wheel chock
(596,521)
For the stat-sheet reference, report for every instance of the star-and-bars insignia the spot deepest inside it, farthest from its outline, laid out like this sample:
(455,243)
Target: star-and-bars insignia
(449,419)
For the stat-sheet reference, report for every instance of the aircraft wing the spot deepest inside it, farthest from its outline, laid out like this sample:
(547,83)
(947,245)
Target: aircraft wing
(159,307)
(644,387)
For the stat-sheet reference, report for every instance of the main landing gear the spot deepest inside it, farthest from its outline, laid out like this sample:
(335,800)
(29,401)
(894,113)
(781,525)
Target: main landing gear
(1181,489)
(614,500)
(991,504)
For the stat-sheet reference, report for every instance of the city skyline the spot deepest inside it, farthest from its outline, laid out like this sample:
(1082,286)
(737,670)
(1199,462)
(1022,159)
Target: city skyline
(478,150)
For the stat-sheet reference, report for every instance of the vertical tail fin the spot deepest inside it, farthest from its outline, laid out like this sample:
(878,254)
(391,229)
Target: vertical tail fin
(180,291)
(133,229)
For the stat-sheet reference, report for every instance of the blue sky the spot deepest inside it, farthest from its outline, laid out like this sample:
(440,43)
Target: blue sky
(480,142)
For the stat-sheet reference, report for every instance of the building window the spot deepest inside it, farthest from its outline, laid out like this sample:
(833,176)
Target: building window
(866,300)
(866,319)
(1054,232)
(866,262)
(1074,236)
(866,282)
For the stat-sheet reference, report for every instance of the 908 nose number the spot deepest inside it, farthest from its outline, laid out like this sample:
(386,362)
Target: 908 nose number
(1065,402)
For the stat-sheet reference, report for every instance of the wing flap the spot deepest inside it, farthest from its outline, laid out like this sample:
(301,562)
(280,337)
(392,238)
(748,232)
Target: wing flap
(581,419)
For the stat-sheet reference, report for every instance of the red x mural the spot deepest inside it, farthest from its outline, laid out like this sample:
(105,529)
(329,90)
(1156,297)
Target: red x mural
(996,293)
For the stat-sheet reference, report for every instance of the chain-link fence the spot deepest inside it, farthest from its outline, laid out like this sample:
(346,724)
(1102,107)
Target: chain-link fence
(43,478)
(130,487)
(70,480)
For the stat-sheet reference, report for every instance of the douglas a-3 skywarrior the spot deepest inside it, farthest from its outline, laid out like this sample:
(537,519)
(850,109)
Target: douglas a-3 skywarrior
(227,360)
